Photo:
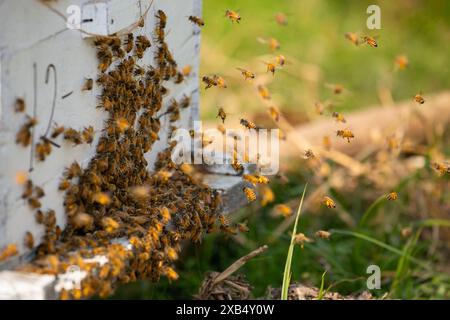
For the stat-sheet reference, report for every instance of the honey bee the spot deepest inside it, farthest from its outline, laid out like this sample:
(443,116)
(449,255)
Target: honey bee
(74,170)
(29,240)
(248,75)
(214,81)
(274,113)
(370,41)
(88,134)
(82,221)
(281,19)
(262,179)
(300,239)
(282,210)
(271,42)
(263,92)
(221,114)
(197,21)
(162,18)
(28,189)
(336,88)
(88,84)
(345,134)
(419,98)
(309,154)
(352,37)
(19,105)
(323,234)
(320,108)
(9,251)
(57,131)
(171,274)
(401,62)
(339,117)
(247,124)
(102,198)
(34,203)
(122,124)
(327,201)
(109,224)
(233,16)
(406,232)
(267,195)
(441,167)
(270,68)
(250,178)
(250,194)
(280,60)
(392,196)
(23,136)
(129,42)
(73,136)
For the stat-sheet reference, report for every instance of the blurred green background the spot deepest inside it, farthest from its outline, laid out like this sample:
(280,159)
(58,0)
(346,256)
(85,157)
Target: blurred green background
(318,54)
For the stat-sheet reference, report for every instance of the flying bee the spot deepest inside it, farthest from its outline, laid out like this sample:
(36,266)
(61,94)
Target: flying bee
(282,210)
(336,88)
(88,84)
(88,134)
(345,134)
(19,106)
(221,128)
(274,113)
(250,194)
(280,60)
(209,82)
(327,201)
(10,250)
(73,136)
(267,195)
(262,179)
(370,41)
(221,114)
(247,124)
(281,19)
(250,178)
(401,62)
(29,240)
(309,154)
(392,196)
(300,239)
(270,68)
(248,75)
(264,92)
(233,16)
(23,136)
(57,131)
(197,21)
(323,234)
(441,167)
(34,203)
(242,227)
(339,117)
(27,189)
(419,98)
(271,42)
(352,37)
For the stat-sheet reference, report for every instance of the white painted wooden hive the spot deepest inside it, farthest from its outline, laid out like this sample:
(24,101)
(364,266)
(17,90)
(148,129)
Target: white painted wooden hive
(46,64)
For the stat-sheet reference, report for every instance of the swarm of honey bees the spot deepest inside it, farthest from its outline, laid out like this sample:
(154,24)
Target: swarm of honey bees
(115,196)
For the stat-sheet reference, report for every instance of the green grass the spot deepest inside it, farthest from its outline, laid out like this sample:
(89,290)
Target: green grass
(287,267)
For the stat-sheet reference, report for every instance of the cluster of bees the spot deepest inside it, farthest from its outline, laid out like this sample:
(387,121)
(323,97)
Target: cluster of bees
(115,196)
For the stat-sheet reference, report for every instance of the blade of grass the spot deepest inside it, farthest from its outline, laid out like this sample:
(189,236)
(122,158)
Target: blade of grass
(434,222)
(380,244)
(287,266)
(321,291)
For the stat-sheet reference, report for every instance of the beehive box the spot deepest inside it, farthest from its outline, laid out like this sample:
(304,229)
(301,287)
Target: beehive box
(46,64)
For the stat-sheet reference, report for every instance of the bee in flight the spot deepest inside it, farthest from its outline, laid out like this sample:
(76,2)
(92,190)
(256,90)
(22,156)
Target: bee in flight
(248,75)
(370,41)
(233,16)
(352,37)
(345,134)
(274,113)
(214,81)
(270,67)
(250,194)
(281,19)
(419,98)
(328,202)
(401,62)
(264,92)
(280,60)
(197,20)
(392,196)
(221,114)
(247,124)
(339,117)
